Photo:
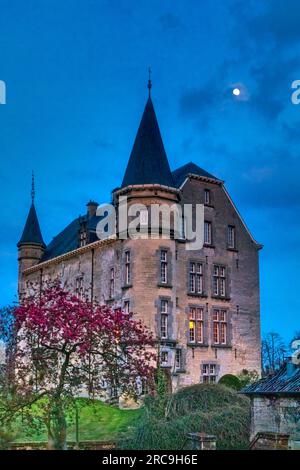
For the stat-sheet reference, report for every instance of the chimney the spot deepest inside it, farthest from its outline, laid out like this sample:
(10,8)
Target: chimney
(92,208)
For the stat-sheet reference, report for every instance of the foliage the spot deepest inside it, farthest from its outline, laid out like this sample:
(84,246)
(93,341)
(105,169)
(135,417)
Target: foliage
(64,345)
(231,381)
(273,352)
(247,377)
(213,409)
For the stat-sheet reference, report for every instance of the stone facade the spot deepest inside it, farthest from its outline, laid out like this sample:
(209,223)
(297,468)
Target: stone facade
(188,361)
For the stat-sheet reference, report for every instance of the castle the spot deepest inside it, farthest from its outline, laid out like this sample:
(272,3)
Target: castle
(202,305)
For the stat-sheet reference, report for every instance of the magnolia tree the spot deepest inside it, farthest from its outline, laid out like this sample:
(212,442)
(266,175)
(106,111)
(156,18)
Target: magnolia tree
(67,346)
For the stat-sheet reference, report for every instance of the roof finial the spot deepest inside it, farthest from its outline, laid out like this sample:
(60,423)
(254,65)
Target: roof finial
(149,81)
(32,188)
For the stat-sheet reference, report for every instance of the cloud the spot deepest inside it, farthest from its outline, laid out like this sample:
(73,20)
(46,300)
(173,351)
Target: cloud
(280,21)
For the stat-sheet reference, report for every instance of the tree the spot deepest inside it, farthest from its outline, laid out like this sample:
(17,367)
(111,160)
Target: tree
(273,352)
(67,345)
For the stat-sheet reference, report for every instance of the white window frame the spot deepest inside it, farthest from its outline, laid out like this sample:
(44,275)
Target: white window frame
(127,267)
(164,266)
(220,326)
(219,280)
(207,232)
(209,373)
(164,320)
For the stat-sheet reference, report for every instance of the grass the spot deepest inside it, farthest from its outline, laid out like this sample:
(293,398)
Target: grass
(97,421)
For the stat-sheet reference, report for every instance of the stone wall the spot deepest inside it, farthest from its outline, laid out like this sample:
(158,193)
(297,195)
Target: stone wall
(275,414)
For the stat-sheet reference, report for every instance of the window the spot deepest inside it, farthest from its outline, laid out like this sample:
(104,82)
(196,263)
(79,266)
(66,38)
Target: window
(164,319)
(196,325)
(209,373)
(112,283)
(82,238)
(207,233)
(163,266)
(219,326)
(196,278)
(127,268)
(219,281)
(178,359)
(231,236)
(206,196)
(126,307)
(164,358)
(79,287)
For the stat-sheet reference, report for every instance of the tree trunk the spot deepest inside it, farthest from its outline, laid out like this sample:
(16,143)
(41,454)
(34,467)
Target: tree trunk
(57,432)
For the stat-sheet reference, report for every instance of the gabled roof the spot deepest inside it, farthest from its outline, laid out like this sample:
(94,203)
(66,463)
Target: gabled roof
(148,162)
(182,172)
(32,232)
(284,381)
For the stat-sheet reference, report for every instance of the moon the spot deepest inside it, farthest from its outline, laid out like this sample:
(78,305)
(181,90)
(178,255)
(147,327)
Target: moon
(236,91)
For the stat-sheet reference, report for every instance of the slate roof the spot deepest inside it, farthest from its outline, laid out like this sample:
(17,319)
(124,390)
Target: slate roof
(181,173)
(67,239)
(148,162)
(285,381)
(32,232)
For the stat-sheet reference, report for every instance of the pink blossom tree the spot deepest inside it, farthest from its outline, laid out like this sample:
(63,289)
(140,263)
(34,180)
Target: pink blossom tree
(67,345)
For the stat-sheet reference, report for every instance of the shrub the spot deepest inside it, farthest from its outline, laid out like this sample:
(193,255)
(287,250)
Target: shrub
(231,381)
(212,409)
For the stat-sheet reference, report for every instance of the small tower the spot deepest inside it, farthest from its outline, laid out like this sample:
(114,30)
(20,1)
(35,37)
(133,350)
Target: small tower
(31,245)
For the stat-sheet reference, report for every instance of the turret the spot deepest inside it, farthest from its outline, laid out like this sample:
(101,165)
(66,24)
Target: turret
(31,245)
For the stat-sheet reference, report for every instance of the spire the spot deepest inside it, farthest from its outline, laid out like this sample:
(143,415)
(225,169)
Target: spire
(148,162)
(32,233)
(149,81)
(32,188)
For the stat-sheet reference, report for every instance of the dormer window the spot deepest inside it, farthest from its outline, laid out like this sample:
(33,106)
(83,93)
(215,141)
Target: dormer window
(82,237)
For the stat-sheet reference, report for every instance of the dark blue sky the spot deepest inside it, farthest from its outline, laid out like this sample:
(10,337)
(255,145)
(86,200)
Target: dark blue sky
(76,74)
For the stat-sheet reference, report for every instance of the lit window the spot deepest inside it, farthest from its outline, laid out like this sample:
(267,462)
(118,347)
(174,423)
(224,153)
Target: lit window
(206,196)
(196,278)
(209,373)
(163,266)
(219,281)
(231,236)
(207,233)
(196,325)
(112,283)
(219,326)
(127,268)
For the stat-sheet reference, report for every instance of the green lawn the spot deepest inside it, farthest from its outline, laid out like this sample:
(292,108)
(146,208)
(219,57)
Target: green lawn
(98,421)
